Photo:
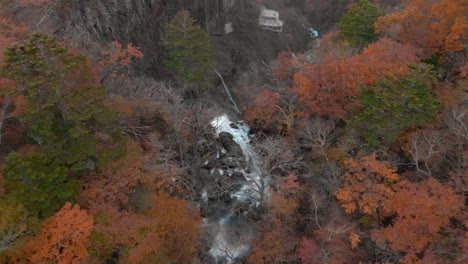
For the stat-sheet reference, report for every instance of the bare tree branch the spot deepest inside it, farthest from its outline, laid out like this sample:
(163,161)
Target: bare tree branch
(4,114)
(425,148)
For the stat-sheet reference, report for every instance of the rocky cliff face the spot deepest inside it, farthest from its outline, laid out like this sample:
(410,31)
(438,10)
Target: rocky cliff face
(140,22)
(122,19)
(218,13)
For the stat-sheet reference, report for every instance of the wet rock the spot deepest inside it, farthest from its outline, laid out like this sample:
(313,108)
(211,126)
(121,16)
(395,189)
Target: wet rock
(228,162)
(226,199)
(202,142)
(216,145)
(221,153)
(225,137)
(238,176)
(204,172)
(218,173)
(240,207)
(228,143)
(209,164)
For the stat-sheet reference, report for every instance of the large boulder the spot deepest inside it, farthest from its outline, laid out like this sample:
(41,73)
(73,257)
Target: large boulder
(227,141)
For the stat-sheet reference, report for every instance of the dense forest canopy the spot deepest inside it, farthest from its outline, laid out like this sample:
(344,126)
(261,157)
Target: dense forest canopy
(349,147)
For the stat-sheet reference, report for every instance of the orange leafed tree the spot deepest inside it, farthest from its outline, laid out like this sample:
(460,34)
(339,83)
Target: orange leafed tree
(332,86)
(421,209)
(167,232)
(176,225)
(264,110)
(368,184)
(116,229)
(433,26)
(408,25)
(116,181)
(63,238)
(450,24)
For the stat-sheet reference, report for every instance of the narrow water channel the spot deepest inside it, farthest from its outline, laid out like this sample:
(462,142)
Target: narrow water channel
(231,233)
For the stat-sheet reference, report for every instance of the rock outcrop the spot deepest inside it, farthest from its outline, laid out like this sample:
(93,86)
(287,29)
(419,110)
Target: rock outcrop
(220,173)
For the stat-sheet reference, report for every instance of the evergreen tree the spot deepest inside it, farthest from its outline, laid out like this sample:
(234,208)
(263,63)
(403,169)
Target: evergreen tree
(39,185)
(65,103)
(188,50)
(395,104)
(357,24)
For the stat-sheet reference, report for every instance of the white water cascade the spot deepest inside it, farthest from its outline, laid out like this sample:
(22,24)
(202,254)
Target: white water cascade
(226,246)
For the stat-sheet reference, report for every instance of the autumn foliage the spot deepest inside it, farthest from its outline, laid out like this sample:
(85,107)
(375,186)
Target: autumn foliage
(274,244)
(422,210)
(264,110)
(282,68)
(307,250)
(435,26)
(63,238)
(331,87)
(362,143)
(368,183)
(167,231)
(116,59)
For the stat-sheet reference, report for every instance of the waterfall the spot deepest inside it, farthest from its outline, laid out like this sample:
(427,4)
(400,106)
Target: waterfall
(231,238)
(256,187)
(234,105)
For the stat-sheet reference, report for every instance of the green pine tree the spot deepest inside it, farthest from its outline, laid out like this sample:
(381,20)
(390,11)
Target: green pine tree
(188,51)
(395,104)
(65,104)
(357,24)
(38,184)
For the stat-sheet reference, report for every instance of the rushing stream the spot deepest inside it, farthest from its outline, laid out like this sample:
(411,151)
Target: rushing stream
(231,237)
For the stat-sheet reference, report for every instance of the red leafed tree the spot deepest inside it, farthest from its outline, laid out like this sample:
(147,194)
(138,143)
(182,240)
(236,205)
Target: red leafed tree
(421,210)
(9,33)
(63,238)
(368,184)
(332,86)
(307,251)
(115,61)
(275,244)
(36,2)
(277,240)
(264,110)
(281,69)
